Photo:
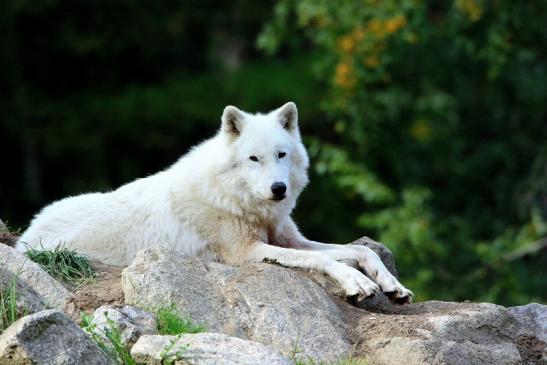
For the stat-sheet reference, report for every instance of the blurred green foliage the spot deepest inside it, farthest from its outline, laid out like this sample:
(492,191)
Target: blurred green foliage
(425,120)
(95,94)
(439,120)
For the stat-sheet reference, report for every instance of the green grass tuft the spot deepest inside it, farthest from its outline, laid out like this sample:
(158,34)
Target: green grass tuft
(8,306)
(63,263)
(171,323)
(109,340)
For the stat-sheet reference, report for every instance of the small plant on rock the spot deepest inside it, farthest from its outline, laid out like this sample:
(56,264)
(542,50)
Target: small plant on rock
(108,339)
(171,323)
(9,312)
(63,263)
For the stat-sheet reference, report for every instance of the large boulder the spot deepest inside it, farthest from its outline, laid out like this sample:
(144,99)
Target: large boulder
(48,338)
(443,333)
(259,302)
(53,292)
(26,299)
(131,321)
(204,349)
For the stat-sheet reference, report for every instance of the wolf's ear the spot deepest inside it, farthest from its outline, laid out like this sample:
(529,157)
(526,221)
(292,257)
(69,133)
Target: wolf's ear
(232,120)
(288,116)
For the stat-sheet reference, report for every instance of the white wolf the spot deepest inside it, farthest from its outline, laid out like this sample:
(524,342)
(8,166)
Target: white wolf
(230,198)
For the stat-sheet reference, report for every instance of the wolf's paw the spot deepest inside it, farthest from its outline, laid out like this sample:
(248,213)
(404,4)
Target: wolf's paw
(356,285)
(391,287)
(399,295)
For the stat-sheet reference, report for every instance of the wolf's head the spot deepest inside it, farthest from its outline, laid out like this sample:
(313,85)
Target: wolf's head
(268,160)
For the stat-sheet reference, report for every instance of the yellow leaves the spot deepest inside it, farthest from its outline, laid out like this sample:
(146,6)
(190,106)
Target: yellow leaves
(396,23)
(344,74)
(375,30)
(372,61)
(365,43)
(471,8)
(376,27)
(343,69)
(381,28)
(346,43)
(372,57)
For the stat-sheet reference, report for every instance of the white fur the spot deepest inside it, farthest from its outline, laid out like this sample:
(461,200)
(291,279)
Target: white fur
(216,202)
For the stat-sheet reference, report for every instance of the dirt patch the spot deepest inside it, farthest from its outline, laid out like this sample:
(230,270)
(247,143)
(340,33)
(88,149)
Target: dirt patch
(365,325)
(105,289)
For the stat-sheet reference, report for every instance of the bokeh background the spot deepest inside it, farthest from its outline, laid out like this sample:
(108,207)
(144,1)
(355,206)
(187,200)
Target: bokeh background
(426,121)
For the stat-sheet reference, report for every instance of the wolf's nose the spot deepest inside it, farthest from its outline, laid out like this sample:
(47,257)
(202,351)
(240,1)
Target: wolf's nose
(279,188)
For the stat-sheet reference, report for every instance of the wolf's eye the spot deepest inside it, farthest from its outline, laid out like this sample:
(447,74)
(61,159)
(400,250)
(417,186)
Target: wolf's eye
(281,154)
(254,158)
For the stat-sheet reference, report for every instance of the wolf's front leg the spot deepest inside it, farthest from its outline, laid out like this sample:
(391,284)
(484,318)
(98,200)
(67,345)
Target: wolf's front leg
(355,284)
(368,261)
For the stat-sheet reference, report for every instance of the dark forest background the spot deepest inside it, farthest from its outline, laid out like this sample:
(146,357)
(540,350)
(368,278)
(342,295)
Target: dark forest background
(425,120)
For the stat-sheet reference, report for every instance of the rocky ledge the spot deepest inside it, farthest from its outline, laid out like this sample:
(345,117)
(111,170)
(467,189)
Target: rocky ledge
(260,313)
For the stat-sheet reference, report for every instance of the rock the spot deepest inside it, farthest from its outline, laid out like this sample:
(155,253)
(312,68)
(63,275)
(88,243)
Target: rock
(27,300)
(532,319)
(204,349)
(476,335)
(259,302)
(53,292)
(132,322)
(48,337)
(381,250)
(442,333)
